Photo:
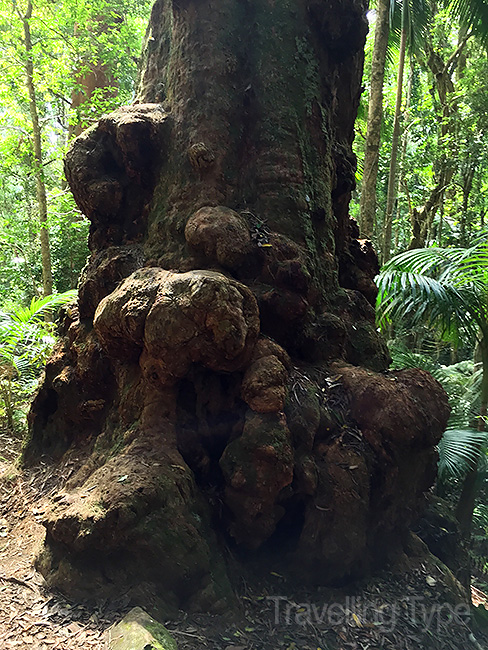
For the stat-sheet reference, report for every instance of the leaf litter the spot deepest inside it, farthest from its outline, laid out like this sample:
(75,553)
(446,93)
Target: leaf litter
(270,616)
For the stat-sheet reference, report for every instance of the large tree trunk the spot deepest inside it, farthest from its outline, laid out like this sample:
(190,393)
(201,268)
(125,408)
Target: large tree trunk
(210,384)
(375,119)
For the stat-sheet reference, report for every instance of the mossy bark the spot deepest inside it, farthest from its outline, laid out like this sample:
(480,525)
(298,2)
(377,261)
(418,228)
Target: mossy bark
(194,381)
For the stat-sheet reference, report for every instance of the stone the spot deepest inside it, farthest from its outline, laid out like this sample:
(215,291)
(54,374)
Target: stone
(139,631)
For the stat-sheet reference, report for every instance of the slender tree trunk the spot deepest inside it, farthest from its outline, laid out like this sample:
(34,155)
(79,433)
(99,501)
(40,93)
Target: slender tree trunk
(441,221)
(462,59)
(390,199)
(375,118)
(47,279)
(401,173)
(422,218)
(467,179)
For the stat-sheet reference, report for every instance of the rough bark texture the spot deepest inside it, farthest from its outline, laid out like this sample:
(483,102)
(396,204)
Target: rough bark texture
(216,384)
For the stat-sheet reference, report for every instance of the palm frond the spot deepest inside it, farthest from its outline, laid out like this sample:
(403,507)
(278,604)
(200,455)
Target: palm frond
(418,298)
(419,19)
(480,516)
(402,358)
(444,288)
(459,451)
(472,14)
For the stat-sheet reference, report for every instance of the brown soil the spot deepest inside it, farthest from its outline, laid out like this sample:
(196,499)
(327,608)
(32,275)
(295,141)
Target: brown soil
(31,616)
(269,616)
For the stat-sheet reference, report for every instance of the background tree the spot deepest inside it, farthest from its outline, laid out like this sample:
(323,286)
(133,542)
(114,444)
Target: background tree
(435,70)
(375,119)
(27,55)
(414,20)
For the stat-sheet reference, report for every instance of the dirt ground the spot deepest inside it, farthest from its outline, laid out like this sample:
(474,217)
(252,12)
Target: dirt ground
(30,615)
(397,611)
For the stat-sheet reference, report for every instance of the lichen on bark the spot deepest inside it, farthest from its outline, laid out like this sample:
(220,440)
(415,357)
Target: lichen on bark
(221,381)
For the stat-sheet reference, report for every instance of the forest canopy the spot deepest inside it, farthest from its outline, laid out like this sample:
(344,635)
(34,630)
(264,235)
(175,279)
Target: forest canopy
(431,185)
(62,66)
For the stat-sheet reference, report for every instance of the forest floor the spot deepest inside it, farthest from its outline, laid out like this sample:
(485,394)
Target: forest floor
(399,610)
(30,615)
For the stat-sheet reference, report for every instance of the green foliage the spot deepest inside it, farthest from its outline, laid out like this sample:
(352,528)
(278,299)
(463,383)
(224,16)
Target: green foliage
(71,41)
(436,138)
(26,338)
(415,17)
(459,451)
(460,445)
(480,518)
(443,288)
(473,14)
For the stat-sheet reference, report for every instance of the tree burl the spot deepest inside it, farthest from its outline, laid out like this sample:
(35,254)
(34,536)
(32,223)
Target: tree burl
(220,385)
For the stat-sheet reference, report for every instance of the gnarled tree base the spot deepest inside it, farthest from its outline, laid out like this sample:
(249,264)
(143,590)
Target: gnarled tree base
(222,375)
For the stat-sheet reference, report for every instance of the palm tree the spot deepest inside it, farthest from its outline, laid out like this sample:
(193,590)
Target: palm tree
(446,289)
(415,19)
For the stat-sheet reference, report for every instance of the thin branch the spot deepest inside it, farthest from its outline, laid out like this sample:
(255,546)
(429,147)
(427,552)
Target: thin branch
(60,34)
(59,96)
